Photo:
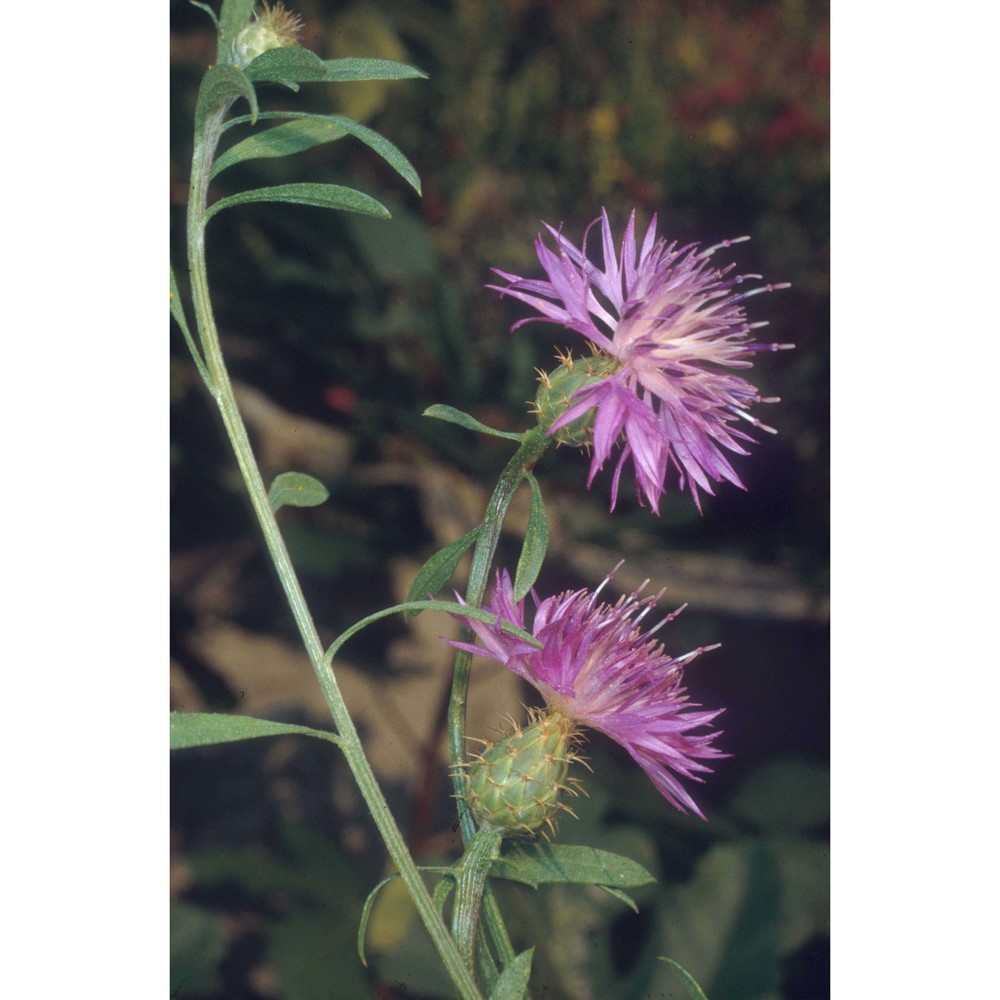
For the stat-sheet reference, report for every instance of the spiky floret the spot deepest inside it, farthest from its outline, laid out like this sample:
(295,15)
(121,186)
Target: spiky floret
(515,784)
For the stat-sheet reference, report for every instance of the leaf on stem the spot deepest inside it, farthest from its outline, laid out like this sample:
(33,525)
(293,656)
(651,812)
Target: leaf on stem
(366,913)
(296,489)
(293,64)
(513,980)
(317,195)
(536,541)
(233,19)
(177,311)
(437,571)
(308,130)
(448,413)
(200,729)
(694,991)
(220,86)
(536,864)
(624,897)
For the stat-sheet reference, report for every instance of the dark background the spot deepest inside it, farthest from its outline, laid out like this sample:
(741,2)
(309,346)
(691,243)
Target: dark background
(340,330)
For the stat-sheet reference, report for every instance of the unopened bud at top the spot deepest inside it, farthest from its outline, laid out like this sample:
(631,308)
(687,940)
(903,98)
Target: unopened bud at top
(271,28)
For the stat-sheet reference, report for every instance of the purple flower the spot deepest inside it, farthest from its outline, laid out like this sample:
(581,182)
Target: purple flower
(598,668)
(674,324)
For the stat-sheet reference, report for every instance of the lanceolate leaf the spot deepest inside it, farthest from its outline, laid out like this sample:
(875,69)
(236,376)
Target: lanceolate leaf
(294,64)
(536,864)
(200,729)
(448,413)
(318,195)
(296,489)
(619,895)
(437,571)
(306,131)
(536,541)
(513,980)
(694,991)
(220,86)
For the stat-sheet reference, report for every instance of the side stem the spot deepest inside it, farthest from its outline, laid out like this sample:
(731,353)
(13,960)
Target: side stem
(533,445)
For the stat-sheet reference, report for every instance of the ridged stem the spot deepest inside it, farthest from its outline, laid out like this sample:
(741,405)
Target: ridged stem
(533,445)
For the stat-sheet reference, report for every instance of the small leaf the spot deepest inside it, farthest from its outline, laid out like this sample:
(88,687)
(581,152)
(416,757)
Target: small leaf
(317,195)
(693,990)
(513,980)
(199,729)
(442,891)
(536,864)
(233,18)
(208,10)
(306,131)
(177,311)
(437,571)
(536,541)
(296,489)
(366,913)
(289,65)
(623,896)
(221,86)
(441,412)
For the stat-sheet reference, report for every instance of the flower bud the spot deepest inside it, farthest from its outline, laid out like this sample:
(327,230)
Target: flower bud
(271,28)
(555,396)
(515,784)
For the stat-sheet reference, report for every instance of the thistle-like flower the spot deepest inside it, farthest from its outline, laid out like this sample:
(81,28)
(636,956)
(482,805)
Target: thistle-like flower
(668,324)
(598,668)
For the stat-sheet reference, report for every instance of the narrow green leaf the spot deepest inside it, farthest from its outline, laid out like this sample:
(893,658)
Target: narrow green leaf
(362,69)
(177,311)
(281,140)
(289,65)
(294,64)
(448,413)
(513,980)
(233,19)
(536,541)
(306,131)
(442,891)
(317,195)
(623,896)
(366,913)
(437,571)
(296,489)
(694,991)
(535,864)
(222,85)
(200,729)
(208,10)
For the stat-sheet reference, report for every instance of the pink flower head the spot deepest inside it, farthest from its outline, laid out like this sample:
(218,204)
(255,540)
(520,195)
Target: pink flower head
(675,324)
(598,668)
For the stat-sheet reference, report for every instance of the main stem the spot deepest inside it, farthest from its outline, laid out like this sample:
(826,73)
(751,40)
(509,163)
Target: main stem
(221,389)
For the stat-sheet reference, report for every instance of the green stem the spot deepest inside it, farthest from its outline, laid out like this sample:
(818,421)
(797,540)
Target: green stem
(221,388)
(533,445)
(482,851)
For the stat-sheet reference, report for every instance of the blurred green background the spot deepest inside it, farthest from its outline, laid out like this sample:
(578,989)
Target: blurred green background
(339,331)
